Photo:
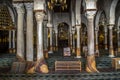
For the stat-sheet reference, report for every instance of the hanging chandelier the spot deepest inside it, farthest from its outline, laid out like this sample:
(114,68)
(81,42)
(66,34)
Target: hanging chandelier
(61,3)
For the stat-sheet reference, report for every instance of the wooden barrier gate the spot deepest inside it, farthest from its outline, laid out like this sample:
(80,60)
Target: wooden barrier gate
(67,65)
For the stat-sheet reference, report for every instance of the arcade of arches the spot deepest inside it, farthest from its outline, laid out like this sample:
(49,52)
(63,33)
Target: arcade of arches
(38,30)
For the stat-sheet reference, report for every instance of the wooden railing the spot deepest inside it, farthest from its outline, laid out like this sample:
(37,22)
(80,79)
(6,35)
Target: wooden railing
(67,65)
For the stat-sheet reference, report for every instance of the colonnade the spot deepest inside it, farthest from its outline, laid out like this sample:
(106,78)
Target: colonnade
(39,15)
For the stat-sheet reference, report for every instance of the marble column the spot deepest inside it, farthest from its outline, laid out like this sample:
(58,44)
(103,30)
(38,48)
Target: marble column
(45,39)
(10,41)
(91,64)
(39,17)
(13,41)
(118,36)
(70,40)
(73,40)
(106,34)
(111,50)
(20,32)
(49,25)
(29,32)
(41,64)
(78,49)
(96,45)
(56,39)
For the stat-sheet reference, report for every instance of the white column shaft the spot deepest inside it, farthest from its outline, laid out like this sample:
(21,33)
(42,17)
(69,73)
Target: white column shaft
(111,39)
(73,39)
(20,36)
(50,37)
(29,35)
(90,36)
(39,41)
(96,34)
(78,37)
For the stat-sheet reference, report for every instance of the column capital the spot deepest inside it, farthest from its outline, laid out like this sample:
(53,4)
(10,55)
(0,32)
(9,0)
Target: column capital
(110,26)
(39,16)
(19,7)
(29,6)
(49,25)
(78,26)
(91,14)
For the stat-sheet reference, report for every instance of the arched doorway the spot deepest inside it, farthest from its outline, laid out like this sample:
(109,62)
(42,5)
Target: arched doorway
(63,35)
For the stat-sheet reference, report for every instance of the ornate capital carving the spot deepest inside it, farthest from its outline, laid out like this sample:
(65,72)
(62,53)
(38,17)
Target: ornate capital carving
(39,16)
(29,6)
(19,7)
(91,14)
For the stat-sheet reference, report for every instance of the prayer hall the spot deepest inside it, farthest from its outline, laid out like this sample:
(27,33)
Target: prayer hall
(59,39)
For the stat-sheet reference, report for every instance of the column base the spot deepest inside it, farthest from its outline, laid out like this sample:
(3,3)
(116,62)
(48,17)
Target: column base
(78,57)
(111,53)
(106,47)
(97,53)
(10,50)
(14,50)
(78,52)
(73,51)
(39,66)
(50,52)
(111,56)
(91,64)
(46,53)
(20,59)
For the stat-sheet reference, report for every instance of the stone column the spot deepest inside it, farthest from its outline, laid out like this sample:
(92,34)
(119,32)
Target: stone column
(29,32)
(118,36)
(41,64)
(70,40)
(73,40)
(10,41)
(56,39)
(96,45)
(13,41)
(49,25)
(91,64)
(45,39)
(78,49)
(20,32)
(111,50)
(106,31)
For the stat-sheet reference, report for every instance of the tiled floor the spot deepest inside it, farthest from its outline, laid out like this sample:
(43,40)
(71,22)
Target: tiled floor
(103,65)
